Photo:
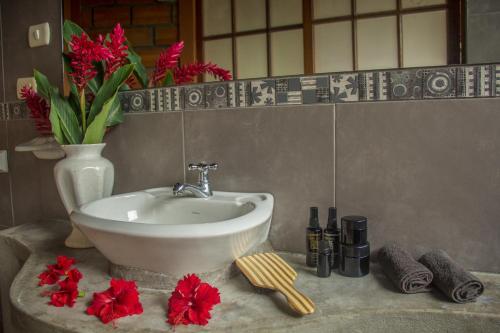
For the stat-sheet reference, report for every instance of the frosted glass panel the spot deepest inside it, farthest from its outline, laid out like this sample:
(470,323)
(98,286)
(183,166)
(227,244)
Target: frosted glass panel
(421,3)
(216,17)
(332,47)
(285,12)
(251,55)
(369,6)
(250,15)
(331,8)
(377,43)
(287,52)
(424,39)
(219,52)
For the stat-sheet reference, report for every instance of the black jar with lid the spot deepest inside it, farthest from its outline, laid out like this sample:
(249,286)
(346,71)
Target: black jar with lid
(354,247)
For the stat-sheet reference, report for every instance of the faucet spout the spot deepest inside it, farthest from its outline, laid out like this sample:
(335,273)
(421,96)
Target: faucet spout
(202,190)
(197,191)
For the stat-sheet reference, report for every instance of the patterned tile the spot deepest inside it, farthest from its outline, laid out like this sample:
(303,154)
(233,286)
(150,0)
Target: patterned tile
(344,88)
(231,94)
(159,100)
(177,98)
(194,97)
(288,91)
(4,111)
(439,82)
(497,79)
(216,95)
(18,110)
(243,93)
(135,101)
(373,86)
(315,89)
(405,84)
(262,93)
(466,81)
(484,78)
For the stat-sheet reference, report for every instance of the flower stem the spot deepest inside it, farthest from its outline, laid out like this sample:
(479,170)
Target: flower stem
(82,110)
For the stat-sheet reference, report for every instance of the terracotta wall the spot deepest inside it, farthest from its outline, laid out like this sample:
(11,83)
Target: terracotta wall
(149,25)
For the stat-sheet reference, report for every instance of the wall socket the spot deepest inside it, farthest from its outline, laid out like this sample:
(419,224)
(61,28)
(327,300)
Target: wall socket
(4,165)
(25,81)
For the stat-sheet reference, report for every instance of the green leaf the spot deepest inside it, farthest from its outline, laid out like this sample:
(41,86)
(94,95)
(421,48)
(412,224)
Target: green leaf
(43,86)
(108,89)
(95,131)
(67,117)
(115,116)
(169,79)
(56,127)
(139,71)
(71,28)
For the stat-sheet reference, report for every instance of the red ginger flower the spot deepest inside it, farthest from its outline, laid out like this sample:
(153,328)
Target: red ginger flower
(167,60)
(191,301)
(53,272)
(120,300)
(39,108)
(118,49)
(68,290)
(186,73)
(83,53)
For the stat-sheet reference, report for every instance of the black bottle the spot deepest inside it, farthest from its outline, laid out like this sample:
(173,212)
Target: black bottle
(313,236)
(354,247)
(324,259)
(332,235)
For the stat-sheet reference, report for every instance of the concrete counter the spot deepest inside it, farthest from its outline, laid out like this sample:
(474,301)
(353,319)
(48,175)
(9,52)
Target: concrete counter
(368,304)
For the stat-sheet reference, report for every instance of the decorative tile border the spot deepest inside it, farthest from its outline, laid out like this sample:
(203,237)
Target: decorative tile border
(383,85)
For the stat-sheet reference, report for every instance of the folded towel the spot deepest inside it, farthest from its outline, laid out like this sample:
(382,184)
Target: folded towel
(407,274)
(449,277)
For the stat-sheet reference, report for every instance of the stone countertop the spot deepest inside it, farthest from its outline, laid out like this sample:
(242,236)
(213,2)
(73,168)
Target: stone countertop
(343,304)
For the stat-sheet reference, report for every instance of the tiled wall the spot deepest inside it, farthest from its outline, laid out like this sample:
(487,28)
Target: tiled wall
(150,25)
(483,21)
(425,172)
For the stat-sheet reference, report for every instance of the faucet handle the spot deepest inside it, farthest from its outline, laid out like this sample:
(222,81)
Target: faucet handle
(202,166)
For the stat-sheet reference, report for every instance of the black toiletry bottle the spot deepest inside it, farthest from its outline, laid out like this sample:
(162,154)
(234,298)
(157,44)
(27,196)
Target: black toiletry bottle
(313,236)
(324,259)
(354,246)
(332,235)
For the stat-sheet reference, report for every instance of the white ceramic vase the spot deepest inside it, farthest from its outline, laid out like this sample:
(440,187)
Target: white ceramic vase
(83,176)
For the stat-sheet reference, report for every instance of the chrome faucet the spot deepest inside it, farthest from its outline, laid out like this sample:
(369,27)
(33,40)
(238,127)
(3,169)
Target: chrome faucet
(202,190)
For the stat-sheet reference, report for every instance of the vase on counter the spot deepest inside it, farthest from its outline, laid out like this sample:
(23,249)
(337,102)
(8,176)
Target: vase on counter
(83,176)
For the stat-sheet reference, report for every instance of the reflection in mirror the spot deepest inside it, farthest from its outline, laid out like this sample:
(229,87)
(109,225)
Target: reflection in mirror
(261,38)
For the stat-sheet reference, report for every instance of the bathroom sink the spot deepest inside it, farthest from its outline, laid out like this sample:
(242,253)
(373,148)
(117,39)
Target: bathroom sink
(159,232)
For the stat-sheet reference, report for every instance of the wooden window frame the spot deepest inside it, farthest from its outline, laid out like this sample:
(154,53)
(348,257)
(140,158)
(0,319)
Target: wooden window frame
(454,9)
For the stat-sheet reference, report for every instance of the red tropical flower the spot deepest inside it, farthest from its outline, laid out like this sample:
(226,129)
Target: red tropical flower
(120,300)
(84,52)
(167,60)
(55,271)
(187,73)
(39,108)
(68,290)
(118,48)
(191,302)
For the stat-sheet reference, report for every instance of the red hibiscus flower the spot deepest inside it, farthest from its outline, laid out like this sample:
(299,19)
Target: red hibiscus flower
(39,108)
(191,302)
(167,60)
(55,271)
(118,49)
(68,290)
(84,52)
(186,73)
(120,300)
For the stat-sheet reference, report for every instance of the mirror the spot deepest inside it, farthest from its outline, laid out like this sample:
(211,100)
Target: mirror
(263,38)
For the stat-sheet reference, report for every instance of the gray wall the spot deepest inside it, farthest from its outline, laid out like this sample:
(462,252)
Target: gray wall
(425,173)
(19,59)
(483,25)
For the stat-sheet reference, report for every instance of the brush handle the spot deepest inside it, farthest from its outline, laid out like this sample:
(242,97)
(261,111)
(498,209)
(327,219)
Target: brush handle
(297,301)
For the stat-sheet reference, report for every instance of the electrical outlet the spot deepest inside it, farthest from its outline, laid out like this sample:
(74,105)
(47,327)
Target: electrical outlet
(25,81)
(39,35)
(4,166)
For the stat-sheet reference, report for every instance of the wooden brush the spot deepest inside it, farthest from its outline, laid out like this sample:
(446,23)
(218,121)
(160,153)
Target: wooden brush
(268,270)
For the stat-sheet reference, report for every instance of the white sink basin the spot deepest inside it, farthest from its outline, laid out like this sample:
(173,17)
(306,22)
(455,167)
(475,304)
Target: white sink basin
(159,232)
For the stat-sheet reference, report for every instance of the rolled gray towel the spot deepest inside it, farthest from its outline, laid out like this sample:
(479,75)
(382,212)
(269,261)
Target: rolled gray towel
(449,277)
(407,274)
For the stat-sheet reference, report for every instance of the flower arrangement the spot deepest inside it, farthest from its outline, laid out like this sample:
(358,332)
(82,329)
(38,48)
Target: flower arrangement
(190,302)
(96,71)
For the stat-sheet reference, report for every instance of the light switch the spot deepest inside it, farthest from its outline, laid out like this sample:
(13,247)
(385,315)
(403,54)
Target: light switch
(25,81)
(4,166)
(39,35)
